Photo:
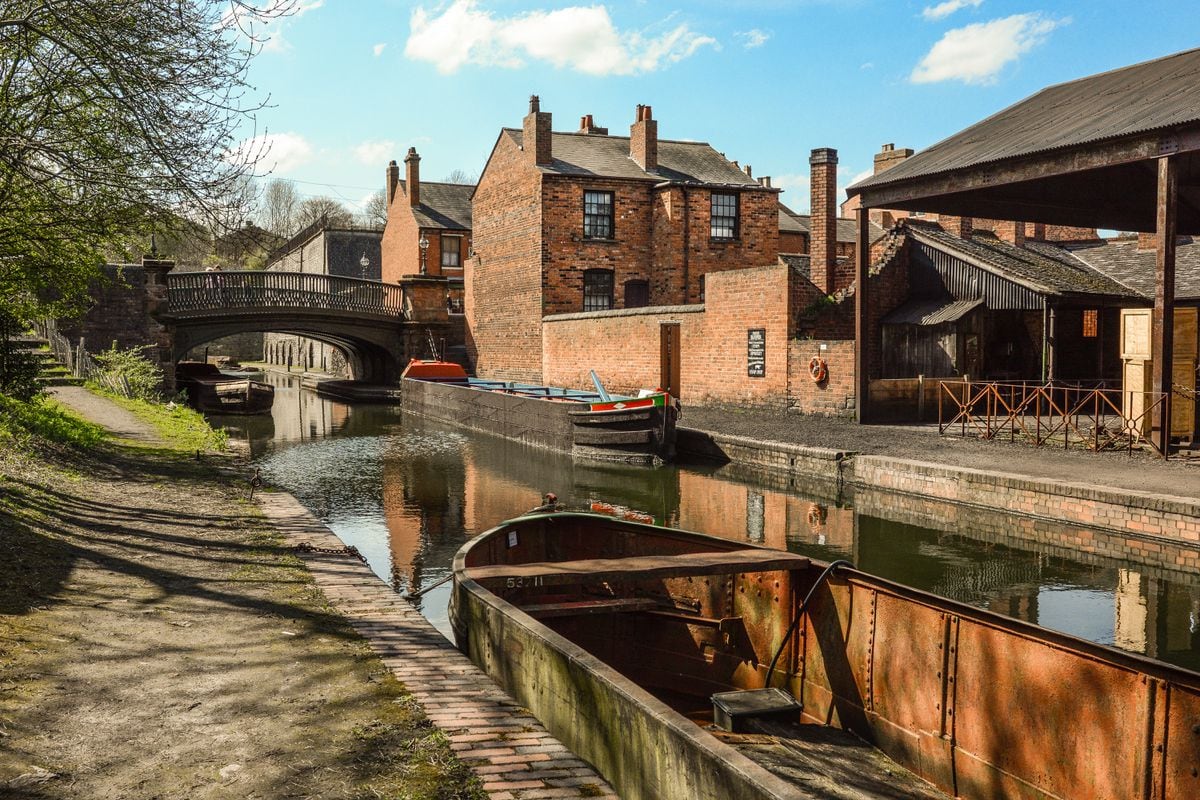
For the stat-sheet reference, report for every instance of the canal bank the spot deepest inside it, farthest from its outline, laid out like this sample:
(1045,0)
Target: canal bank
(1106,492)
(152,574)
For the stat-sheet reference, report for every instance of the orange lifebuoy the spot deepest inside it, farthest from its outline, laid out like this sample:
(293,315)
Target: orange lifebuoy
(818,370)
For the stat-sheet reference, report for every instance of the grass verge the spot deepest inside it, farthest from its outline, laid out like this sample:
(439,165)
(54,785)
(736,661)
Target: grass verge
(182,428)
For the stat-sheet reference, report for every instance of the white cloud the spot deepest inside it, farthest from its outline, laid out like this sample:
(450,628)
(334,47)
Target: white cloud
(274,41)
(796,190)
(281,152)
(867,65)
(948,7)
(374,152)
(753,38)
(976,53)
(378,49)
(577,37)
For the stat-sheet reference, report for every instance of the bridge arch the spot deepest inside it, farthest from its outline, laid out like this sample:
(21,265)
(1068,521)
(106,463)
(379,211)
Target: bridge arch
(369,321)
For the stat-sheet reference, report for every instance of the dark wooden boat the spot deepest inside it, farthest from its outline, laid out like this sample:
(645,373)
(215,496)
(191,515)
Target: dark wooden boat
(614,633)
(213,392)
(636,430)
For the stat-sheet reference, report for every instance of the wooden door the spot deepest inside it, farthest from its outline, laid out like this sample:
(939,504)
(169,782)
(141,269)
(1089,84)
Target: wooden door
(669,357)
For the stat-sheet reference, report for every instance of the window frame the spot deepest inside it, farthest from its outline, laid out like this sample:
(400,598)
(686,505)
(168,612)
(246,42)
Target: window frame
(458,240)
(610,218)
(713,217)
(1089,324)
(588,275)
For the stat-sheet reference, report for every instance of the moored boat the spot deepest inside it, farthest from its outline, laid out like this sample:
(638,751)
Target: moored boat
(637,430)
(211,391)
(619,635)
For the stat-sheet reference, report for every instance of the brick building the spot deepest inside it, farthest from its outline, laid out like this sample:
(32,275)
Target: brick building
(321,248)
(585,221)
(428,228)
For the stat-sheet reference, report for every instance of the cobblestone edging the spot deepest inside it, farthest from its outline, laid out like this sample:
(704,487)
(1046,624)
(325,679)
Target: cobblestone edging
(502,743)
(1135,513)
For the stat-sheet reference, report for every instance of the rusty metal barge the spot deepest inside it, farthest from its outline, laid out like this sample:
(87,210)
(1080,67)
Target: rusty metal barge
(213,392)
(634,430)
(628,640)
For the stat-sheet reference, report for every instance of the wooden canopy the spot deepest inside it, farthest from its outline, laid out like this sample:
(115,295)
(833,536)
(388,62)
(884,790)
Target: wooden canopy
(1118,150)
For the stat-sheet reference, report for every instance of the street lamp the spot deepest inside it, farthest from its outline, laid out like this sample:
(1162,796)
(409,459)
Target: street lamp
(424,245)
(364,262)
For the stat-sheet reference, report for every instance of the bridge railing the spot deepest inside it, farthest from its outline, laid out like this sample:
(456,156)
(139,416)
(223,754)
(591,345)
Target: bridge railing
(191,293)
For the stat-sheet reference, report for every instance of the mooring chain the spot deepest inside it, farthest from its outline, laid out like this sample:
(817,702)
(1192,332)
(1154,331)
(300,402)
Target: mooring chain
(348,550)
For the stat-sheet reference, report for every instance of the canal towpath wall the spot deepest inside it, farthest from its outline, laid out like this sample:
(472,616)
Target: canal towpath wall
(1142,516)
(501,742)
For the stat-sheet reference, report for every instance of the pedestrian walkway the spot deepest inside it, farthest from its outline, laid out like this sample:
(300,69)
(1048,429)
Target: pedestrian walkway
(510,751)
(102,411)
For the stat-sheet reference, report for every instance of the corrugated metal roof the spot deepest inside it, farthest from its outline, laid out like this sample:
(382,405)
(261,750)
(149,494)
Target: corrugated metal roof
(931,312)
(608,157)
(1133,100)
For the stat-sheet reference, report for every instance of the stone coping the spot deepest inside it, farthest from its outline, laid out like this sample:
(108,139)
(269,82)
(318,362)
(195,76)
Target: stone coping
(643,311)
(808,451)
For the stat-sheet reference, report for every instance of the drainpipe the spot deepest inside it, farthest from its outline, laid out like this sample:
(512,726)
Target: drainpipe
(1045,340)
(687,213)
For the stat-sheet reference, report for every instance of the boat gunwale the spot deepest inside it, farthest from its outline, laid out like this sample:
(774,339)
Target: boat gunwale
(1061,640)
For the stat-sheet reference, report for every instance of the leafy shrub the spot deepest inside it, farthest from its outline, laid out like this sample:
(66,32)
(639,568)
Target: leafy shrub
(129,373)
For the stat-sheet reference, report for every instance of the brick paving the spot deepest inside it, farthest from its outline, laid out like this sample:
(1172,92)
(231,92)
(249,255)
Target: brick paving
(513,755)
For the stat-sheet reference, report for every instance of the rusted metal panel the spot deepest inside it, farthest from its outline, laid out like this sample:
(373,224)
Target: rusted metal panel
(1181,743)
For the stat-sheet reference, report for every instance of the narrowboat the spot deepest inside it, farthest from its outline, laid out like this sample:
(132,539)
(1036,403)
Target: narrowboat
(684,666)
(595,425)
(211,391)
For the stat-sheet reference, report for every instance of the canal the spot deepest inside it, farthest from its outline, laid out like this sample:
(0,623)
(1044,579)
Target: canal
(408,493)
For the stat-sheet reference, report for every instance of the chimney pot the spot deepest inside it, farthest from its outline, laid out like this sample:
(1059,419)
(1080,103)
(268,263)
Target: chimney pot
(749,173)
(535,105)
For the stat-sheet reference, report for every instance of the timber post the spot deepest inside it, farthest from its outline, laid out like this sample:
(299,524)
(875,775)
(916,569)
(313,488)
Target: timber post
(1163,343)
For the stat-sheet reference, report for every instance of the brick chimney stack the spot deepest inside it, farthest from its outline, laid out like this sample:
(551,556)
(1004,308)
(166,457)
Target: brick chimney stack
(1035,231)
(1011,232)
(822,247)
(393,179)
(643,139)
(536,138)
(412,177)
(1147,241)
(888,157)
(961,227)
(765,180)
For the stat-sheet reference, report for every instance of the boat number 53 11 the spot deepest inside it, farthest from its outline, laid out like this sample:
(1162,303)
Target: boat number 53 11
(520,583)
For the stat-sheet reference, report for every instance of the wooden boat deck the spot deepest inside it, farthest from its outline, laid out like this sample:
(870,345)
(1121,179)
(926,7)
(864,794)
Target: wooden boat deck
(829,762)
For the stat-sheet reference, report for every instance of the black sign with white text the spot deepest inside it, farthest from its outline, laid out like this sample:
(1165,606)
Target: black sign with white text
(756,352)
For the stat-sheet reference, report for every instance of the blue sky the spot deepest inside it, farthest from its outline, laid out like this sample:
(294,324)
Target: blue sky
(354,83)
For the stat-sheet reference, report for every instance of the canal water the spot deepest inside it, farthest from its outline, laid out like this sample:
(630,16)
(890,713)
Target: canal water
(408,493)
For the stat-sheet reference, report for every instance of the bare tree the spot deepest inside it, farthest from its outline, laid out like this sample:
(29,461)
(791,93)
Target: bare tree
(280,204)
(116,115)
(375,210)
(461,176)
(314,208)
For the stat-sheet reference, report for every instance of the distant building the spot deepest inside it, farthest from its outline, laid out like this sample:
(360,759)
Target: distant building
(324,249)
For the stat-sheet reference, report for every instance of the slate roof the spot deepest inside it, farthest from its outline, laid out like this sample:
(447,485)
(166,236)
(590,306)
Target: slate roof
(847,229)
(1137,99)
(1045,268)
(800,264)
(444,205)
(608,157)
(1123,262)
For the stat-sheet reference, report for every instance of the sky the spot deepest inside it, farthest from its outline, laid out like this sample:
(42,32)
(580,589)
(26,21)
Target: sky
(355,83)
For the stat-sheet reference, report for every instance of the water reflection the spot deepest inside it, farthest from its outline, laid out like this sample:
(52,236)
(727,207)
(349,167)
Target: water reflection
(408,493)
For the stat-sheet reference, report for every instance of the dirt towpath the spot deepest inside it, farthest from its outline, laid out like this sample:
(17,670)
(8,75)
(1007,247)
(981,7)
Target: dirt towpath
(158,640)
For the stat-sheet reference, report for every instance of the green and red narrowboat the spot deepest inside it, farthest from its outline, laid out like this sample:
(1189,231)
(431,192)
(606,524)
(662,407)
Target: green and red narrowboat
(588,424)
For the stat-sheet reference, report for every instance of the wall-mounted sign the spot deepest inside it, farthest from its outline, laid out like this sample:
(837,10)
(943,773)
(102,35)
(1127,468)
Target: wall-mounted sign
(756,352)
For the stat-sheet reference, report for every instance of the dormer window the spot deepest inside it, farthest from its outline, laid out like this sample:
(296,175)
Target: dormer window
(597,215)
(724,217)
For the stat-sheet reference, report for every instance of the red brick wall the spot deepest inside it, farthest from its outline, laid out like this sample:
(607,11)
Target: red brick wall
(793,242)
(400,254)
(623,347)
(833,396)
(503,282)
